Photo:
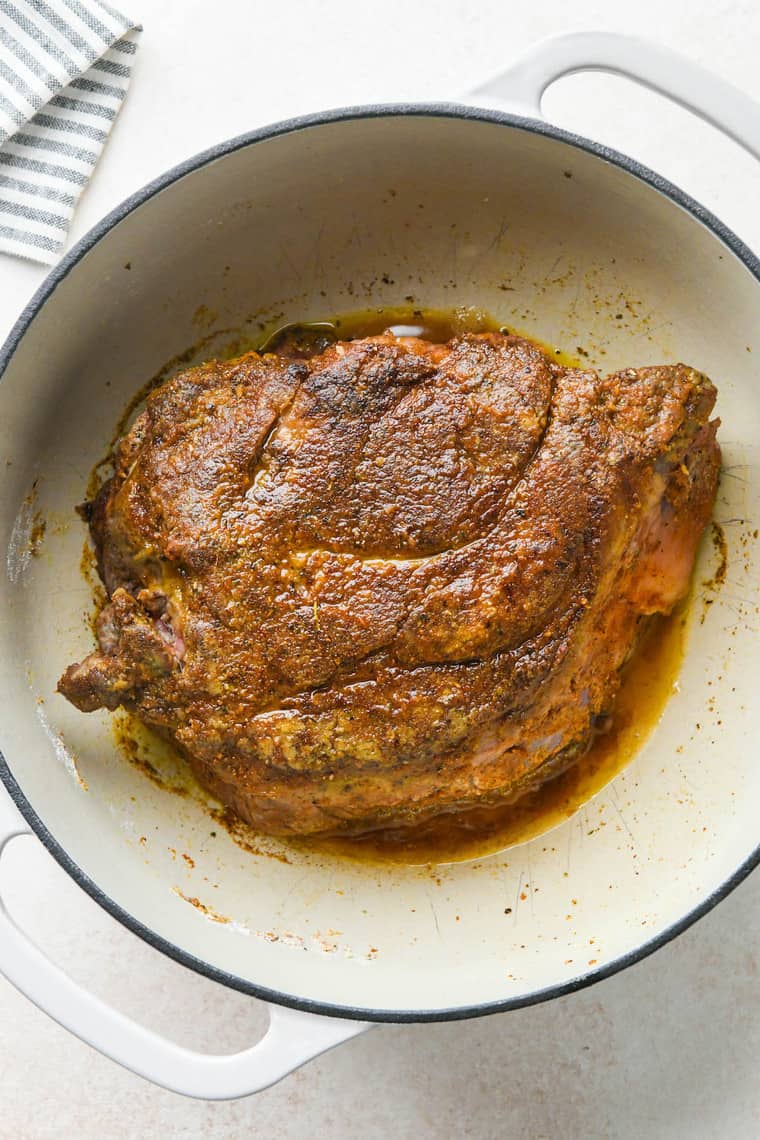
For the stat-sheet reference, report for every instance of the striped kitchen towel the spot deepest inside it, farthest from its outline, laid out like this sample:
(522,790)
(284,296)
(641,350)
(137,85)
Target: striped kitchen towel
(65,67)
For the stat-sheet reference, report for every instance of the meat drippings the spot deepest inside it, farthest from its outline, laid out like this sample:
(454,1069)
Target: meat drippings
(647,684)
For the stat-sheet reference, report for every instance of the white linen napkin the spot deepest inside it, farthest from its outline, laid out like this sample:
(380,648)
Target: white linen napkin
(65,67)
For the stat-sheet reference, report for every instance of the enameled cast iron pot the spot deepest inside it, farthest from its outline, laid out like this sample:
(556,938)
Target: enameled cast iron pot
(324,214)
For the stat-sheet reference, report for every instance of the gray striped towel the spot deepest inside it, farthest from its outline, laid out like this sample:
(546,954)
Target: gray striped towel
(65,67)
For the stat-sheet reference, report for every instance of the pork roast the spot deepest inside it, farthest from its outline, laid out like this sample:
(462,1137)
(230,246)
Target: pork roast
(396,579)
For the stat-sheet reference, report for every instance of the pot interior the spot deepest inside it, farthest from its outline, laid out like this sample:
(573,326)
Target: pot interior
(555,241)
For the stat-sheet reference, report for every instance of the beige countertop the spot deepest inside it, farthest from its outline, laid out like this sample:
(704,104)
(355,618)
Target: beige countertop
(665,1050)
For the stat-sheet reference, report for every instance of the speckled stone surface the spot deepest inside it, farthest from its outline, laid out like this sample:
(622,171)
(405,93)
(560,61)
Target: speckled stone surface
(667,1049)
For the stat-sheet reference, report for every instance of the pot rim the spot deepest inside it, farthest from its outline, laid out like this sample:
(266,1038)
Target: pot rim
(289,126)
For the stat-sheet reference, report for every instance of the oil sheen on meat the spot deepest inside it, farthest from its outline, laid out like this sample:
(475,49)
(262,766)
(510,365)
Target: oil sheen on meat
(394,579)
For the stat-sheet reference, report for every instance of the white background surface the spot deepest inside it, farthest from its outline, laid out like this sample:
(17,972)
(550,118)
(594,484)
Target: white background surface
(668,1049)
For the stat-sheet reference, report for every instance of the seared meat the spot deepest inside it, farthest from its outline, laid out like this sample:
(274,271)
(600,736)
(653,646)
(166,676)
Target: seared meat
(396,579)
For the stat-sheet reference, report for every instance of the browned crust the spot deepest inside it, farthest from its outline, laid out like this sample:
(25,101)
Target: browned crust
(394,579)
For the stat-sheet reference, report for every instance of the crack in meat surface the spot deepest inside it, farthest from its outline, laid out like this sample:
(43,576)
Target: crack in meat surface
(395,579)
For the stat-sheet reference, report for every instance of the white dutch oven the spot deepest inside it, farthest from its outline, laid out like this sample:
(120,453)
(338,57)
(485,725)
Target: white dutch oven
(556,236)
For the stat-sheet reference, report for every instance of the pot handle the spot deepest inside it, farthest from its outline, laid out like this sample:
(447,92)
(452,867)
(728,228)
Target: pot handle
(521,86)
(292,1038)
